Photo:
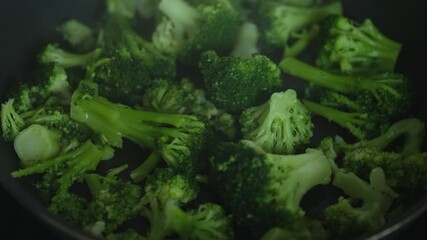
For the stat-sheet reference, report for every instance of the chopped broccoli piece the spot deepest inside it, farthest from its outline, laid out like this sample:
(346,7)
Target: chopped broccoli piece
(186,31)
(79,35)
(281,125)
(177,137)
(263,190)
(52,53)
(344,219)
(284,21)
(235,83)
(356,48)
(247,39)
(11,122)
(209,221)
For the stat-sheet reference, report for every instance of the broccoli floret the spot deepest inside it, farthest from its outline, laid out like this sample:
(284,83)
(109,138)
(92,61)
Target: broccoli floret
(129,62)
(380,98)
(356,48)
(247,40)
(235,83)
(79,35)
(50,88)
(52,53)
(186,31)
(11,122)
(362,125)
(281,125)
(71,207)
(70,166)
(165,187)
(125,8)
(114,201)
(263,190)
(306,230)
(185,98)
(403,168)
(177,137)
(345,219)
(209,221)
(284,22)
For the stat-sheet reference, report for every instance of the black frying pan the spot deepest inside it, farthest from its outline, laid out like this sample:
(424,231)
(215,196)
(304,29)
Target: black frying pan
(27,25)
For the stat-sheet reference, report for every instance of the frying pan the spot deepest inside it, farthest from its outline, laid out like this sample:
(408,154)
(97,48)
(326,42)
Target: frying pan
(27,25)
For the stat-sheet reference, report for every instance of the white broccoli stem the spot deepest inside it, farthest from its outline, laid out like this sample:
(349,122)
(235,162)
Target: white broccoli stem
(184,17)
(36,144)
(247,40)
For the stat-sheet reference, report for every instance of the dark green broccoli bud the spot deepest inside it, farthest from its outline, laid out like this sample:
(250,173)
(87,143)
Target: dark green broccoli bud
(209,221)
(306,230)
(185,98)
(356,48)
(70,166)
(52,53)
(186,31)
(50,88)
(281,125)
(79,35)
(234,83)
(11,122)
(177,137)
(114,201)
(165,187)
(284,22)
(247,40)
(263,190)
(344,219)
(72,208)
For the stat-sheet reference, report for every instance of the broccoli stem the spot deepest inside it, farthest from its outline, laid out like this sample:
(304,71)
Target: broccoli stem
(54,54)
(380,40)
(301,43)
(143,170)
(340,83)
(116,120)
(184,17)
(343,119)
(247,39)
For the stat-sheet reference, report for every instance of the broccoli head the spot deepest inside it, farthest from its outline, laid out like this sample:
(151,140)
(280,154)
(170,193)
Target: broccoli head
(281,125)
(235,83)
(187,30)
(263,190)
(345,218)
(356,48)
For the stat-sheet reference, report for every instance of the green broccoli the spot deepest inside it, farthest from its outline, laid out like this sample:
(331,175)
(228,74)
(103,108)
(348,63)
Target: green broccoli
(356,48)
(114,201)
(345,219)
(209,221)
(363,104)
(235,83)
(128,62)
(306,230)
(263,190)
(52,53)
(11,122)
(404,168)
(185,98)
(247,41)
(70,166)
(163,187)
(187,30)
(176,137)
(79,35)
(281,125)
(285,23)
